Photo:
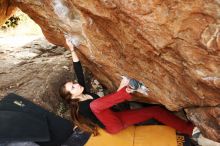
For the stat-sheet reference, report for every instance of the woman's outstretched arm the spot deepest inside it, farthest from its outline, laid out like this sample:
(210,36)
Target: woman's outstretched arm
(77,66)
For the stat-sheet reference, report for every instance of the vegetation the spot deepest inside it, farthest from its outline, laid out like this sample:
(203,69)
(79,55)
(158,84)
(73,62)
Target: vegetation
(11,22)
(20,24)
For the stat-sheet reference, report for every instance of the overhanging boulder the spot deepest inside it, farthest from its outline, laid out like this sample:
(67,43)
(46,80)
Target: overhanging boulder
(172,46)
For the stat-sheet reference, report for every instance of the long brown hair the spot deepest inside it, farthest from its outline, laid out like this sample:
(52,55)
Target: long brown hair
(78,120)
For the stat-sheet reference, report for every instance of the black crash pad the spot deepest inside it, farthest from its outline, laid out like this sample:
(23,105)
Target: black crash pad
(59,129)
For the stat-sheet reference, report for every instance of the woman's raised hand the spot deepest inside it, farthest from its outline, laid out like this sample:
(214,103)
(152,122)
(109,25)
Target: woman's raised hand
(70,45)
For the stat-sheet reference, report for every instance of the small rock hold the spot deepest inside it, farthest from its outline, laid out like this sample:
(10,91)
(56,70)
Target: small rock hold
(109,4)
(66,67)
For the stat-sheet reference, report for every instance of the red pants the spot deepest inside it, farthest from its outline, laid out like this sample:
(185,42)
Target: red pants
(116,121)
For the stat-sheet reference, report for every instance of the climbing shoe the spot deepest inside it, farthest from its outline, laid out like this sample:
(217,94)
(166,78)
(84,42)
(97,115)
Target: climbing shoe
(201,140)
(138,86)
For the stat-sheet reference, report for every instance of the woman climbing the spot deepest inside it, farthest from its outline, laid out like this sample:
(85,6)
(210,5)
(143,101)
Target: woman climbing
(88,111)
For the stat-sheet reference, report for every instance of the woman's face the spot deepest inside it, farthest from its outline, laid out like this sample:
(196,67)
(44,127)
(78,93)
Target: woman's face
(74,88)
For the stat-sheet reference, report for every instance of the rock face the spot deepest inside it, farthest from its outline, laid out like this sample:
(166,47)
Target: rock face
(172,46)
(6,10)
(206,118)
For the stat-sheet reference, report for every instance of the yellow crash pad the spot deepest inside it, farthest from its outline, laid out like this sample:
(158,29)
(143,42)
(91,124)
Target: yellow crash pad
(154,135)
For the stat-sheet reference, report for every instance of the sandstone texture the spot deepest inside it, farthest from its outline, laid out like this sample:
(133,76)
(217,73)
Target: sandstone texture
(206,118)
(6,10)
(173,46)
